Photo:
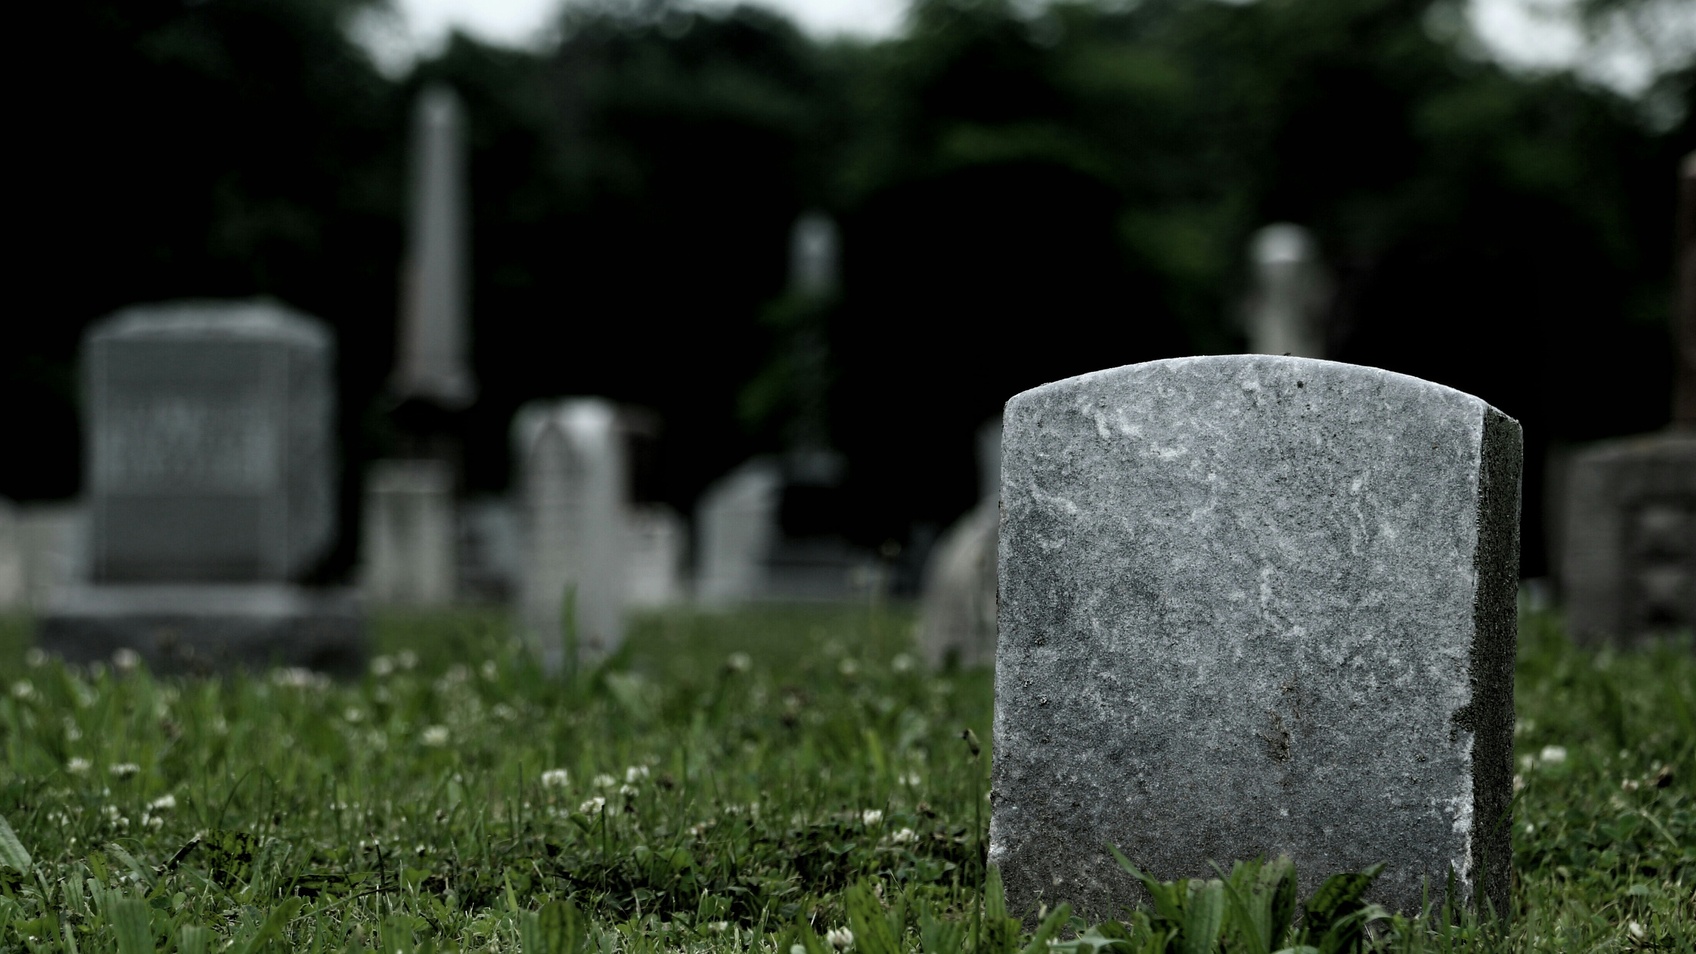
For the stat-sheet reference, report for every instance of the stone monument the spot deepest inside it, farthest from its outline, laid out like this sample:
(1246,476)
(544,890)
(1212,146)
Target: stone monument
(409,533)
(575,514)
(1289,294)
(432,363)
(411,524)
(1628,534)
(1255,606)
(210,483)
(957,613)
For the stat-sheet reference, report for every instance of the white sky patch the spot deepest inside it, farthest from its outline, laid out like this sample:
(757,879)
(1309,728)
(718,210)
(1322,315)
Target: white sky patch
(1527,34)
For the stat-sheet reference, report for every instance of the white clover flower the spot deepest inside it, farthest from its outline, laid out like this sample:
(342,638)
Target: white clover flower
(635,773)
(556,778)
(35,658)
(490,670)
(125,659)
(1552,755)
(152,821)
(1527,762)
(23,689)
(382,666)
(738,662)
(628,790)
(905,836)
(163,803)
(605,781)
(352,715)
(718,927)
(593,805)
(504,712)
(699,828)
(901,663)
(1635,930)
(1518,783)
(839,938)
(871,817)
(406,659)
(124,770)
(911,780)
(849,669)
(77,765)
(436,736)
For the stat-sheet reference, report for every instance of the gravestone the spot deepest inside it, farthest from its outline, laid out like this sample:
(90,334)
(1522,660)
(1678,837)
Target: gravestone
(572,458)
(1289,293)
(1254,606)
(410,541)
(659,543)
(14,592)
(1628,525)
(211,457)
(53,550)
(736,520)
(432,364)
(957,613)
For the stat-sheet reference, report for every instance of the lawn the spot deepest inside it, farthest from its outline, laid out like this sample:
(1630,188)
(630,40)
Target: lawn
(753,781)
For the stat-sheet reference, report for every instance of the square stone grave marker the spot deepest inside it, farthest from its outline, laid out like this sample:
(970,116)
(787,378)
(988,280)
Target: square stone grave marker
(1254,606)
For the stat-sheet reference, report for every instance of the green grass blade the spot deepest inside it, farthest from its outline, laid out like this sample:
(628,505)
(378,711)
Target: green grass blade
(12,852)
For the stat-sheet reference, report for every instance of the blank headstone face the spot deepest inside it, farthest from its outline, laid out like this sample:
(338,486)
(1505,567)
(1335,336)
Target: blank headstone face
(575,479)
(737,521)
(210,443)
(1254,606)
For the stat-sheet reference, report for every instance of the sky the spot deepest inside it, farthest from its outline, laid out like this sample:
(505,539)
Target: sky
(1527,33)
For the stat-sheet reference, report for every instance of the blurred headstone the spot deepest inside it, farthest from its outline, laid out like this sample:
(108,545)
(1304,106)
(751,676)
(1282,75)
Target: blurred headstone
(1255,606)
(575,479)
(659,544)
(432,363)
(53,550)
(736,525)
(957,615)
(488,550)
(771,531)
(210,481)
(13,592)
(1627,530)
(1289,295)
(410,541)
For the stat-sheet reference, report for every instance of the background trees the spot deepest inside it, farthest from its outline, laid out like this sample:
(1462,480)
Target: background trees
(1023,195)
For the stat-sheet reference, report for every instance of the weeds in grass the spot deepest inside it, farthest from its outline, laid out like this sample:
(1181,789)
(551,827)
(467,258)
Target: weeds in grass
(756,782)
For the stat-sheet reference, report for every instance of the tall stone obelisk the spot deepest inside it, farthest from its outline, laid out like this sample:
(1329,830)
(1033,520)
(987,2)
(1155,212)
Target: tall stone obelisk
(410,529)
(432,363)
(1289,294)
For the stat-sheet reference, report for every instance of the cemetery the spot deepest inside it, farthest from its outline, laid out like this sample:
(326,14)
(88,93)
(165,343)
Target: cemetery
(1072,477)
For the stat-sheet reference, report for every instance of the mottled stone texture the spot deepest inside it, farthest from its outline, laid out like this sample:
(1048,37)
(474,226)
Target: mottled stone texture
(1254,605)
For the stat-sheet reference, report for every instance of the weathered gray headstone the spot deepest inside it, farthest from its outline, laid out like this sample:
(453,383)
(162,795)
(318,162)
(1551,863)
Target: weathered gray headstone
(432,363)
(211,448)
(13,589)
(575,505)
(1627,529)
(736,520)
(659,543)
(1254,606)
(957,613)
(410,539)
(1289,295)
(211,461)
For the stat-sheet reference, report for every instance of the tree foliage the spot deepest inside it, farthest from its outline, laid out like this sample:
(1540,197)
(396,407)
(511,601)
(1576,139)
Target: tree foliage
(1025,192)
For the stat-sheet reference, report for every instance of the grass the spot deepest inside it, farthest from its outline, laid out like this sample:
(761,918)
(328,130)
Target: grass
(745,782)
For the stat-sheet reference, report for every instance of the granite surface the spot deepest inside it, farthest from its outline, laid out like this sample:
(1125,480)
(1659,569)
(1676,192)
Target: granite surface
(1252,606)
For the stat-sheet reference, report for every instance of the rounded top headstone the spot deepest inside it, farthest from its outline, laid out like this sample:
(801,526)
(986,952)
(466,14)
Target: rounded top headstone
(200,319)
